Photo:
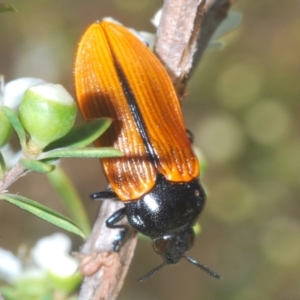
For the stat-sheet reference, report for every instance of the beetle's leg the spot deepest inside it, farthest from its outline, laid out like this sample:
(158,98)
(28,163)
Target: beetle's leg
(111,223)
(190,135)
(104,195)
(114,218)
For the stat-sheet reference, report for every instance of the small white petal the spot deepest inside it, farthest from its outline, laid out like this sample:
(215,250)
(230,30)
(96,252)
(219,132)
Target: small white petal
(49,247)
(52,253)
(10,266)
(146,37)
(14,90)
(156,18)
(1,92)
(53,92)
(112,20)
(10,156)
(64,266)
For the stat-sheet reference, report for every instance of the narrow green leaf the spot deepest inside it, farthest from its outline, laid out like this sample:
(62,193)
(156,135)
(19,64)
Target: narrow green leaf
(82,152)
(5,126)
(5,7)
(81,135)
(70,198)
(43,212)
(2,166)
(16,124)
(36,166)
(230,23)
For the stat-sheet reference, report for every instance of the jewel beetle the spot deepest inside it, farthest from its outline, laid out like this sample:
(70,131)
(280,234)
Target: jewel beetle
(117,76)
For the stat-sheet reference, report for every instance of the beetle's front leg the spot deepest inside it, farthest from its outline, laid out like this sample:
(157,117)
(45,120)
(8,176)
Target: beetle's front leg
(104,195)
(114,218)
(111,223)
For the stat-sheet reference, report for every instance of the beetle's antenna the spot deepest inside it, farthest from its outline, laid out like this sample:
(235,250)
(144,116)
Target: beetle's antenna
(203,267)
(152,272)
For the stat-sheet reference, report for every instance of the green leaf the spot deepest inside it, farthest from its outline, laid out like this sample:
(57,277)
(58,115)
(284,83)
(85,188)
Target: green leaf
(16,124)
(82,152)
(2,166)
(70,198)
(197,228)
(232,22)
(81,135)
(43,212)
(5,7)
(36,166)
(5,126)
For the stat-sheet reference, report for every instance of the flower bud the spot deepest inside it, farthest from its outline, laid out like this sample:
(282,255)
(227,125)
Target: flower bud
(47,112)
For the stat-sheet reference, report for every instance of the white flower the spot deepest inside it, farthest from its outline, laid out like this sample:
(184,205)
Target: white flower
(10,266)
(11,95)
(146,37)
(11,157)
(156,18)
(50,254)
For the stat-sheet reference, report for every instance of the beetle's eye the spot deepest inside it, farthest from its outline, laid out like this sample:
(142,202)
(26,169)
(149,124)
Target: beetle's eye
(161,246)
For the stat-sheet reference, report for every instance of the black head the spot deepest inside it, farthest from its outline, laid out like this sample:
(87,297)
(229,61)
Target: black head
(172,247)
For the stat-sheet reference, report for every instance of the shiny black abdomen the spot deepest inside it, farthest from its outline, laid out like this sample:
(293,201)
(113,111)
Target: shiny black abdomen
(168,208)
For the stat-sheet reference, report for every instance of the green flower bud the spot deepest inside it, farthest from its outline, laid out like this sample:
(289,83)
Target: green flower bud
(47,112)
(5,129)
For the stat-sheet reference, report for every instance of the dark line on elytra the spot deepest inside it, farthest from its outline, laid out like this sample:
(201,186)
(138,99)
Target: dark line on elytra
(136,113)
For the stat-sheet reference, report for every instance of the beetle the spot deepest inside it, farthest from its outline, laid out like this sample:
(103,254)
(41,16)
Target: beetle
(117,76)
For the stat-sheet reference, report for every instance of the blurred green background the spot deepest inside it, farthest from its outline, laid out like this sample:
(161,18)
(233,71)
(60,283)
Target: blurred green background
(243,107)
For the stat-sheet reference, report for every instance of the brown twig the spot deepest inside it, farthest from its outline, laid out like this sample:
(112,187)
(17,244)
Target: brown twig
(182,22)
(185,29)
(176,38)
(215,12)
(12,175)
(105,270)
